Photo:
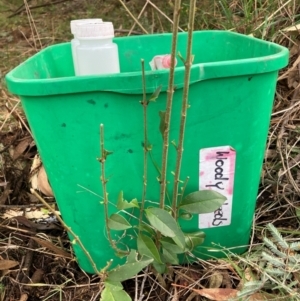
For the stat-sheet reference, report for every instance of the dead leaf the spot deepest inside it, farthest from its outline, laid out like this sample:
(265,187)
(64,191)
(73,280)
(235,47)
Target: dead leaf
(7,264)
(50,246)
(39,179)
(43,184)
(21,148)
(36,214)
(215,294)
(216,280)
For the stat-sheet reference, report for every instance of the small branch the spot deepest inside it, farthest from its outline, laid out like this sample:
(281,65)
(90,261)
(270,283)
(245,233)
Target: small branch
(28,260)
(102,160)
(68,229)
(163,180)
(188,65)
(36,278)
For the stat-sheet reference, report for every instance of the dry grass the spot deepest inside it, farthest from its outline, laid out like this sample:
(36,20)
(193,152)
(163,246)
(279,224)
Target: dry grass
(47,270)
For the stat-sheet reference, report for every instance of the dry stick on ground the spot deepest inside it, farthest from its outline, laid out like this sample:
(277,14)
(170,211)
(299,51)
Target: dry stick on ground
(157,9)
(133,17)
(163,14)
(32,27)
(68,229)
(272,15)
(7,117)
(140,14)
(28,260)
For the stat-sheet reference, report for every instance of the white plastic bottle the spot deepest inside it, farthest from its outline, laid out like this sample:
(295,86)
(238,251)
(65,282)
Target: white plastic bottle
(75,41)
(96,53)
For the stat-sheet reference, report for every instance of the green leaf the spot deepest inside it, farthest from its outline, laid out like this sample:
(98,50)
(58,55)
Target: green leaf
(194,239)
(108,294)
(203,201)
(118,222)
(170,257)
(162,221)
(128,270)
(146,228)
(113,285)
(159,267)
(147,247)
(155,94)
(132,256)
(171,246)
(179,239)
(122,204)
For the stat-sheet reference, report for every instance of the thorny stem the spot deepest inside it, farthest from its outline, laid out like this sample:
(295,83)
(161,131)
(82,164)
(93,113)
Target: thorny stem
(102,160)
(187,64)
(68,229)
(145,105)
(163,181)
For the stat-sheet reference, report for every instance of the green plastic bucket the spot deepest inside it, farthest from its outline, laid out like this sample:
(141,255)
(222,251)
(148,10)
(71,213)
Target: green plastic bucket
(232,86)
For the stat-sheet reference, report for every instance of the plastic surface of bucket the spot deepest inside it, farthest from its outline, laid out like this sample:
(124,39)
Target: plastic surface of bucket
(232,88)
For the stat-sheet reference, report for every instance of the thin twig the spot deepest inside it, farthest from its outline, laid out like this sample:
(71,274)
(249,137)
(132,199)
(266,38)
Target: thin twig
(32,26)
(77,239)
(133,17)
(163,14)
(140,14)
(102,160)
(272,15)
(11,111)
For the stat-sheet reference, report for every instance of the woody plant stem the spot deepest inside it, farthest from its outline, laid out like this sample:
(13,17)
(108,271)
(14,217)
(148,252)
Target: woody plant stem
(102,160)
(170,92)
(144,102)
(188,64)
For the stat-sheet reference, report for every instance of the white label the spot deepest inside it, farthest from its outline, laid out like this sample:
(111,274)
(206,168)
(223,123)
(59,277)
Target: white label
(216,172)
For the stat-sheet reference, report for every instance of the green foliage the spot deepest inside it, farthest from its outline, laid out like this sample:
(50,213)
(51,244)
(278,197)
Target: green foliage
(132,267)
(193,240)
(278,266)
(113,291)
(203,201)
(162,221)
(146,246)
(118,222)
(123,204)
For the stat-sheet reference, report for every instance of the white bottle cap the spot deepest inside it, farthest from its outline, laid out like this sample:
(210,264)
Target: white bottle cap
(73,23)
(93,30)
